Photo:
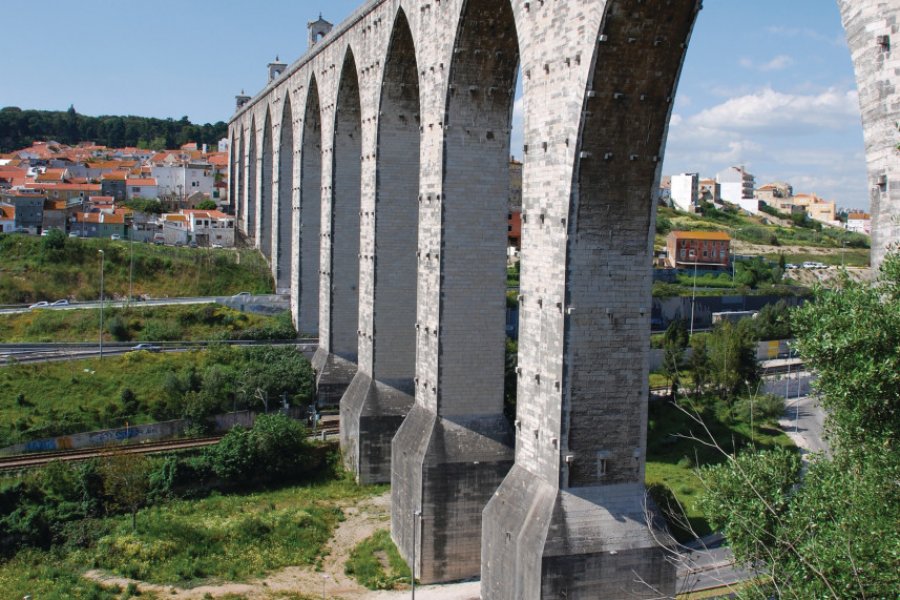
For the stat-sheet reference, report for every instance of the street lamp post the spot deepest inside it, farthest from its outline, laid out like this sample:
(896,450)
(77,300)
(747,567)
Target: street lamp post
(693,298)
(416,517)
(101,302)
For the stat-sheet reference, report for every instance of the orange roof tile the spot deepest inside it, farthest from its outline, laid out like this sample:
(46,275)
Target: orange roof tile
(7,212)
(701,235)
(140,182)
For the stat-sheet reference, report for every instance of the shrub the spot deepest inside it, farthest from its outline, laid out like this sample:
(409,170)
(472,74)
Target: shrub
(766,409)
(117,328)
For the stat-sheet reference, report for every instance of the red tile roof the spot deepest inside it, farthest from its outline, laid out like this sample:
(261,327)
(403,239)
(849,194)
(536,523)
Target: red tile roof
(140,182)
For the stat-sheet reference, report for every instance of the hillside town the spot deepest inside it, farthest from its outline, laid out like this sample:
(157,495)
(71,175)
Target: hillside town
(734,185)
(173,197)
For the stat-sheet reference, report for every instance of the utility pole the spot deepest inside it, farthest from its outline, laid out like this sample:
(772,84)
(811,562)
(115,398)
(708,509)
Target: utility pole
(693,299)
(101,302)
(416,518)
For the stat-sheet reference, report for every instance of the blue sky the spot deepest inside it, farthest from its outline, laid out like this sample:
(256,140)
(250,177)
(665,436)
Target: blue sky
(767,83)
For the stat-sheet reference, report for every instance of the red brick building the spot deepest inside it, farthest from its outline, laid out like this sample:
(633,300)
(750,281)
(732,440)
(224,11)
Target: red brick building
(703,248)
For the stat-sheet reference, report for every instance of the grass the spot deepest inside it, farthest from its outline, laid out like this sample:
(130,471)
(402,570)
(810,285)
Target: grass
(71,396)
(672,459)
(142,323)
(852,257)
(376,564)
(185,543)
(30,272)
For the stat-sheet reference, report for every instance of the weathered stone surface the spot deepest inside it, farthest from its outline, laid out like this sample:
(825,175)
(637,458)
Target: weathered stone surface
(399,188)
(447,469)
(333,377)
(873,34)
(371,414)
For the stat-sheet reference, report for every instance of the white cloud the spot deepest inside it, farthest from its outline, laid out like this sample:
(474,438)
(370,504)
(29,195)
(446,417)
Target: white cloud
(806,32)
(791,113)
(782,61)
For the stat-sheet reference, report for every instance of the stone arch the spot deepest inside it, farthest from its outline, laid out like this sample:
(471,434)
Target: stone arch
(396,212)
(309,220)
(474,207)
(345,207)
(250,193)
(232,169)
(266,173)
(611,219)
(237,175)
(462,257)
(283,259)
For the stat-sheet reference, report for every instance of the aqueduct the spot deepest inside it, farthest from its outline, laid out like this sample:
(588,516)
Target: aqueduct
(372,173)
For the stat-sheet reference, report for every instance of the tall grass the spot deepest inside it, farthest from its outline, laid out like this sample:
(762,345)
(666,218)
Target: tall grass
(30,272)
(143,323)
(368,560)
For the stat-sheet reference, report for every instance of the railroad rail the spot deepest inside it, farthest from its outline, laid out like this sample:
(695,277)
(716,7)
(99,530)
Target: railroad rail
(39,459)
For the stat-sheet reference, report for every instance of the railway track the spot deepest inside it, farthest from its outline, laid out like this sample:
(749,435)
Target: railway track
(38,459)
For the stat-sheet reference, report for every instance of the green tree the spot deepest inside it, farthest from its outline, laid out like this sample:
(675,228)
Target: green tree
(126,481)
(732,358)
(699,364)
(207,205)
(832,533)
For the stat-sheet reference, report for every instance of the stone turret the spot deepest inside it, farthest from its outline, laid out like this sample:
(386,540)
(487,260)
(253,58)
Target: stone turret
(318,29)
(241,99)
(276,68)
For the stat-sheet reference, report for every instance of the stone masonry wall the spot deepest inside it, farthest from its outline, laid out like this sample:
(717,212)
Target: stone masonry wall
(873,34)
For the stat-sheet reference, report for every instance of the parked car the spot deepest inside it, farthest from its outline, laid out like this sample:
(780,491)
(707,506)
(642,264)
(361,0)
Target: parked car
(242,295)
(193,244)
(41,304)
(146,348)
(216,246)
(61,302)
(115,236)
(73,234)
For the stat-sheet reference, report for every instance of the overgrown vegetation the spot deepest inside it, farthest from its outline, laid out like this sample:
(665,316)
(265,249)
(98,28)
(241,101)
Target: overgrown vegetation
(831,532)
(34,269)
(71,512)
(145,324)
(60,398)
(376,564)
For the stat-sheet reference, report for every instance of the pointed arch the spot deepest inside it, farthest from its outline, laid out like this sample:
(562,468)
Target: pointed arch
(250,193)
(396,212)
(476,192)
(310,216)
(266,173)
(345,206)
(283,232)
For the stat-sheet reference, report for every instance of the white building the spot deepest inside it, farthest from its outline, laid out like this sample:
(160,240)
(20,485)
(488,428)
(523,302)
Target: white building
(210,227)
(141,188)
(685,191)
(180,181)
(736,186)
(859,222)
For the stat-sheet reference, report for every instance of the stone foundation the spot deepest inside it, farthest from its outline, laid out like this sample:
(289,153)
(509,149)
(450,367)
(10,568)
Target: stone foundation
(449,470)
(333,377)
(585,543)
(371,414)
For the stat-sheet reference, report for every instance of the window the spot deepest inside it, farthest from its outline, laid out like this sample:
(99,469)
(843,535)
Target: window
(705,254)
(135,190)
(509,228)
(683,253)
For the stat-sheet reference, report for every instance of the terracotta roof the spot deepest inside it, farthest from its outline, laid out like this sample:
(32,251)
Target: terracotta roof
(180,218)
(140,182)
(54,205)
(65,187)
(209,214)
(701,235)
(115,175)
(51,175)
(7,212)
(100,218)
(858,216)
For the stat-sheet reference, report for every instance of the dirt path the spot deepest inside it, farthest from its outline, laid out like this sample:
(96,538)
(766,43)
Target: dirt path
(362,520)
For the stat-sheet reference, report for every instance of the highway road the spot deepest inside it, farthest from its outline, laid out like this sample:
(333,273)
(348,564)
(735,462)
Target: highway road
(227,300)
(33,353)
